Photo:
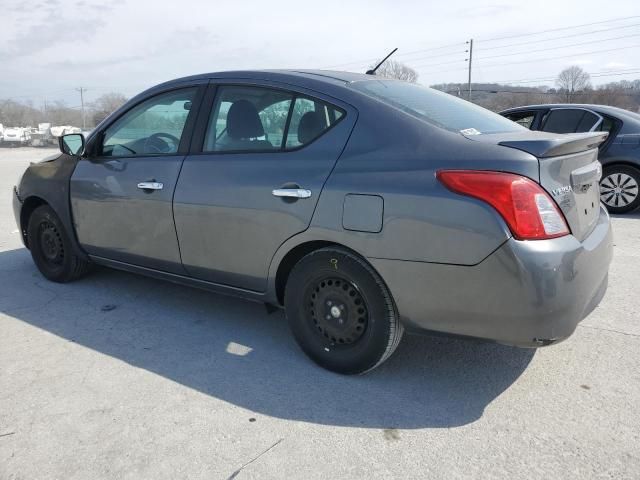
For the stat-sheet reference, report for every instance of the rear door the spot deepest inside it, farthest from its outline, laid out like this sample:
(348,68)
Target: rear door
(261,157)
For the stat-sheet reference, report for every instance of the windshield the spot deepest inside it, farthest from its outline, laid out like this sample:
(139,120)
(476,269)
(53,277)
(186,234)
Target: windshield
(438,108)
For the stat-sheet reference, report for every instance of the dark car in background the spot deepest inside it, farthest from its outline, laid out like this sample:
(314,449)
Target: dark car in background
(619,154)
(364,207)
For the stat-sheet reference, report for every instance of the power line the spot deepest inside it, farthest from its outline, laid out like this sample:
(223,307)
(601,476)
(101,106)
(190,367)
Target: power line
(559,38)
(438,64)
(562,46)
(558,29)
(535,60)
(603,73)
(537,92)
(419,65)
(458,44)
(403,54)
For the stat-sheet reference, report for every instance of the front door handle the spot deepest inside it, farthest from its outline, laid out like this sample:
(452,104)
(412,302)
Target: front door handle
(150,186)
(292,192)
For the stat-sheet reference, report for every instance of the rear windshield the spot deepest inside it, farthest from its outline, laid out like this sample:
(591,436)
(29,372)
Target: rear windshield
(438,108)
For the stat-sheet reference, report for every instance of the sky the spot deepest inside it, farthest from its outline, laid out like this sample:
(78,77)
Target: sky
(48,49)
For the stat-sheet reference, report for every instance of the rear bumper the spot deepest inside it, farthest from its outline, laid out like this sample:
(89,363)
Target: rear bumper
(526,293)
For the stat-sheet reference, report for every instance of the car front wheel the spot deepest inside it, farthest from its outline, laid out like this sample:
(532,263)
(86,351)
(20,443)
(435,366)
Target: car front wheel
(340,312)
(51,248)
(619,188)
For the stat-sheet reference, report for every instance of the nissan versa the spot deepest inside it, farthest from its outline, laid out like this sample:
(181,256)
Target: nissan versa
(365,207)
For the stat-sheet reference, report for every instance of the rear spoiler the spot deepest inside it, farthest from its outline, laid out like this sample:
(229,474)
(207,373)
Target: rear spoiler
(543,144)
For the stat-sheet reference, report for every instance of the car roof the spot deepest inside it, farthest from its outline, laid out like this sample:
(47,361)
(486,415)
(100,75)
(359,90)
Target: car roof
(300,76)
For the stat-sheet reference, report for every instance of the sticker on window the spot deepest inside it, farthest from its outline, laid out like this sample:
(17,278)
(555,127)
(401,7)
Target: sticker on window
(470,131)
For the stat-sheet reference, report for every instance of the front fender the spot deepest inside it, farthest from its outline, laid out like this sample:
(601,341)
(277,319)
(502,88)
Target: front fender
(48,182)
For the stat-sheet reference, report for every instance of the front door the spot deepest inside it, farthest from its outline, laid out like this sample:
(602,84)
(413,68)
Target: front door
(265,155)
(121,196)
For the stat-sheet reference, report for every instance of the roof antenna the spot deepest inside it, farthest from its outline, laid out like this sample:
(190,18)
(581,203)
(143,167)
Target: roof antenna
(373,70)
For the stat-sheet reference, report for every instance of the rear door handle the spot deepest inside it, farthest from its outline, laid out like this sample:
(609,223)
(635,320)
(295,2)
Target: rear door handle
(292,192)
(150,186)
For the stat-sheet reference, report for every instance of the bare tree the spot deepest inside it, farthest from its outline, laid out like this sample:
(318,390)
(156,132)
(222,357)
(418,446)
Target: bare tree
(572,80)
(393,69)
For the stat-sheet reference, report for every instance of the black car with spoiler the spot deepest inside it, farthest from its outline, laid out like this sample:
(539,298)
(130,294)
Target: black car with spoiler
(619,154)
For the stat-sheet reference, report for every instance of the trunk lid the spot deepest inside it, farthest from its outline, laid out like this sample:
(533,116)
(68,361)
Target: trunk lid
(569,171)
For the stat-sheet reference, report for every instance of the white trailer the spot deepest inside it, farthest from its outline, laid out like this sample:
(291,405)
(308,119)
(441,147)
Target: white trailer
(16,136)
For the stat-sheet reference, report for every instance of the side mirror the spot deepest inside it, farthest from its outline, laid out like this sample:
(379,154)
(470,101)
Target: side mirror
(71,144)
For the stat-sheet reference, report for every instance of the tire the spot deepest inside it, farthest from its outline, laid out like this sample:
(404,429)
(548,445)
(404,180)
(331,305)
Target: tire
(620,188)
(340,312)
(51,248)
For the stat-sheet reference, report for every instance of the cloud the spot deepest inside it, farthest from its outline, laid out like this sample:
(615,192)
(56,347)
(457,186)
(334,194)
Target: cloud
(85,63)
(49,46)
(46,29)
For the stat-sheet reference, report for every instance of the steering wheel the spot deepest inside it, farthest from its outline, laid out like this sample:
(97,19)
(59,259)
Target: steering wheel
(155,143)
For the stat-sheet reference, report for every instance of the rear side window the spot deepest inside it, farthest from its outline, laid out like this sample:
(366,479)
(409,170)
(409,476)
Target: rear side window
(257,119)
(569,120)
(435,107)
(607,125)
(310,119)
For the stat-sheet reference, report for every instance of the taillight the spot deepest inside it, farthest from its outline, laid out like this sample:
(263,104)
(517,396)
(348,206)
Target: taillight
(529,211)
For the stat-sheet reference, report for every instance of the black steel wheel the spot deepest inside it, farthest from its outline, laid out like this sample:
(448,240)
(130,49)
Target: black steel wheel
(50,243)
(341,312)
(51,249)
(337,309)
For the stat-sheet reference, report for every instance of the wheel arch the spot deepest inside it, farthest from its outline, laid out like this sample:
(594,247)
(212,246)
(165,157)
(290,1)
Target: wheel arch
(28,207)
(621,162)
(296,253)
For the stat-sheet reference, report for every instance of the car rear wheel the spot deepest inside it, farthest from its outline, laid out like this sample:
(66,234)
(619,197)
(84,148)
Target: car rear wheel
(51,248)
(619,188)
(341,312)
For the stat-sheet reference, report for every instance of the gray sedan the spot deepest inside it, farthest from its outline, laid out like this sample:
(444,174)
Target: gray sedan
(364,207)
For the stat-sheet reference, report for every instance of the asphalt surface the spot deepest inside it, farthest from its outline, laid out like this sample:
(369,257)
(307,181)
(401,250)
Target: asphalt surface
(124,377)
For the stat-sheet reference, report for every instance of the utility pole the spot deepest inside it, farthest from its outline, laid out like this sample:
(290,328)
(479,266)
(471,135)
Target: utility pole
(470,59)
(84,120)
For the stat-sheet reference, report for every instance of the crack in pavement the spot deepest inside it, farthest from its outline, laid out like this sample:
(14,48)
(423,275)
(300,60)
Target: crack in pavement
(235,474)
(610,330)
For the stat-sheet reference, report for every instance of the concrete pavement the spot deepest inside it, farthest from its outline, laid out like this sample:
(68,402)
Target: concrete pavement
(120,376)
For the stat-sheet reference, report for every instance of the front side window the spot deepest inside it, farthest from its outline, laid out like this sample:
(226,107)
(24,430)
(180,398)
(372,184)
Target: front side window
(257,119)
(435,107)
(524,119)
(153,127)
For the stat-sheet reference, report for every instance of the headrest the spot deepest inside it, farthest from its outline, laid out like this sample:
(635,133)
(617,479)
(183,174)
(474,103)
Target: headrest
(309,127)
(243,121)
